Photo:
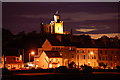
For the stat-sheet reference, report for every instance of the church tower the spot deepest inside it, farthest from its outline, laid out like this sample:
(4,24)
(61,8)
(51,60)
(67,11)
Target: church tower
(56,25)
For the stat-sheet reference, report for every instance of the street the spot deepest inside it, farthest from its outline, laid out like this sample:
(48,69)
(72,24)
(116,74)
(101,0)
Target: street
(64,76)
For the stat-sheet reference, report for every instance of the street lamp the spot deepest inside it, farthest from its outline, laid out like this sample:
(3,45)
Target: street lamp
(32,53)
(91,53)
(91,56)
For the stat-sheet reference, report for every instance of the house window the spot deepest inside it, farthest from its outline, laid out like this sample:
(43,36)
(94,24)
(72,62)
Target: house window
(88,51)
(100,51)
(111,64)
(50,65)
(54,59)
(83,51)
(53,48)
(110,58)
(83,56)
(103,58)
(88,56)
(72,56)
(37,60)
(60,54)
(37,66)
(100,58)
(112,52)
(77,51)
(106,58)
(77,56)
(106,51)
(94,56)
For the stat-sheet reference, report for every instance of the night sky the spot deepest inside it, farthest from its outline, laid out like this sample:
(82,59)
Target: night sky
(82,17)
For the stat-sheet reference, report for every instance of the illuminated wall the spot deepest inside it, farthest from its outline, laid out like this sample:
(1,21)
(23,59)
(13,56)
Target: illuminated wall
(59,27)
(44,62)
(88,56)
(46,45)
(41,61)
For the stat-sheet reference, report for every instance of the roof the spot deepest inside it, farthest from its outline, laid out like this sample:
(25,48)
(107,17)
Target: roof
(54,41)
(53,54)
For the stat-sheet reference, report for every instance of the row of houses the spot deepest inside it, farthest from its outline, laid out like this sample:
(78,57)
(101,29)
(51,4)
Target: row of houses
(54,53)
(12,62)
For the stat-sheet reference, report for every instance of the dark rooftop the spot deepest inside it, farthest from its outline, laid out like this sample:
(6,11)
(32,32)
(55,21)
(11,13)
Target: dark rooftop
(54,41)
(53,54)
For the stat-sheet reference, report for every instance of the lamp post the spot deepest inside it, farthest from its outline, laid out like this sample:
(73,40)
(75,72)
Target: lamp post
(92,56)
(32,53)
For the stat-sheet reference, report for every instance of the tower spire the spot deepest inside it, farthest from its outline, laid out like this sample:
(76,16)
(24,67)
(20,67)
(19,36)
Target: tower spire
(56,12)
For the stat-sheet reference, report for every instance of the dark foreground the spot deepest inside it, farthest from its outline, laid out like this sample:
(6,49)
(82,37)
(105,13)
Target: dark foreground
(64,76)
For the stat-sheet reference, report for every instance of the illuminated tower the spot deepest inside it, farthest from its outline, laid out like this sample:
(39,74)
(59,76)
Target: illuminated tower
(56,25)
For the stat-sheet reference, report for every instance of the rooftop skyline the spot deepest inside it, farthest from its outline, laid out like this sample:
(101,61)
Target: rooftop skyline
(82,17)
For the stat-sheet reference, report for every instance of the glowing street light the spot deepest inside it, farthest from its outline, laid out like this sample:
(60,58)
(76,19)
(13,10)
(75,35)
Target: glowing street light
(32,53)
(91,53)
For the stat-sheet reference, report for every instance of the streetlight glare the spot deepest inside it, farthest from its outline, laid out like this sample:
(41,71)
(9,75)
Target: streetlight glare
(91,53)
(32,52)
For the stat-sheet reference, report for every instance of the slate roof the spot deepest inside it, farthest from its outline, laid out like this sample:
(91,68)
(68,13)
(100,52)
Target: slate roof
(53,54)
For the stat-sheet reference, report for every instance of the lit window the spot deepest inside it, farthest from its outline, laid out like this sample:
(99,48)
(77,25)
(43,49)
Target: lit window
(54,59)
(37,60)
(61,54)
(50,65)
(91,53)
(58,65)
(36,66)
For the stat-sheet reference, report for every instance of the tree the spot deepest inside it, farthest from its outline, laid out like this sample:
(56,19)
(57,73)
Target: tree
(118,67)
(102,64)
(71,65)
(86,68)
